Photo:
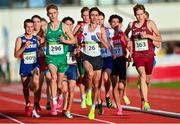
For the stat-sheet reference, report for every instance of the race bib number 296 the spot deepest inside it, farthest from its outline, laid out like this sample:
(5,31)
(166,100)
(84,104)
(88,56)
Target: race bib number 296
(56,49)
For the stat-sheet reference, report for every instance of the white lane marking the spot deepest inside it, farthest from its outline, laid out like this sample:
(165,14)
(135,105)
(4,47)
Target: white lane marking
(11,118)
(20,102)
(151,111)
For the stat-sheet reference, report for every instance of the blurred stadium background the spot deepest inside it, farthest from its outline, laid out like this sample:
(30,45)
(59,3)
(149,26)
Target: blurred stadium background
(164,12)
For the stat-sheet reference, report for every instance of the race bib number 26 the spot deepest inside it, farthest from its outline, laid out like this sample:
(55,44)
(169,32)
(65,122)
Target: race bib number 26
(92,48)
(141,45)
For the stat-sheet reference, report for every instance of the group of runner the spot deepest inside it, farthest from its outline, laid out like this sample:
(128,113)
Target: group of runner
(90,55)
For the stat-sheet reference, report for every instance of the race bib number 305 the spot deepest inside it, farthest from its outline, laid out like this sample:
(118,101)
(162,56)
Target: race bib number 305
(56,49)
(141,45)
(29,57)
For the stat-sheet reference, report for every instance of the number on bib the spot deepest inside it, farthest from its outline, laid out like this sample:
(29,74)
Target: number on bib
(56,49)
(118,51)
(92,48)
(29,57)
(141,45)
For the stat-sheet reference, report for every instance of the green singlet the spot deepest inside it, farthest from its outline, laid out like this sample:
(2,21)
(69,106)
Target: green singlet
(56,51)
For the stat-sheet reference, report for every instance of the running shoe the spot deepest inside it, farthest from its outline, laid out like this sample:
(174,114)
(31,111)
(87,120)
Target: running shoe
(91,115)
(48,106)
(28,110)
(63,112)
(119,112)
(89,99)
(37,107)
(126,100)
(100,109)
(35,114)
(114,104)
(108,102)
(83,104)
(68,114)
(146,106)
(53,109)
(59,102)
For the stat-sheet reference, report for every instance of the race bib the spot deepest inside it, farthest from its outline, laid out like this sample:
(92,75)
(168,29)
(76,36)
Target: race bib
(92,48)
(141,45)
(29,57)
(56,49)
(71,58)
(104,51)
(118,51)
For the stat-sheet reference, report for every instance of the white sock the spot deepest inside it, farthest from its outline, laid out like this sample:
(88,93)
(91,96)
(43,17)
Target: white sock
(54,100)
(93,106)
(90,90)
(83,96)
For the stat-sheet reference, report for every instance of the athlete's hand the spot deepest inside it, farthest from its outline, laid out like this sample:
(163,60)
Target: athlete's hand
(62,39)
(143,35)
(28,43)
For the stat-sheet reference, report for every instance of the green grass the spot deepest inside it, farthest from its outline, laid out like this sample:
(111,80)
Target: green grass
(159,85)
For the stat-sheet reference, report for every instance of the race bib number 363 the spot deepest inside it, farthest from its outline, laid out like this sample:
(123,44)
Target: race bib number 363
(141,45)
(56,49)
(29,57)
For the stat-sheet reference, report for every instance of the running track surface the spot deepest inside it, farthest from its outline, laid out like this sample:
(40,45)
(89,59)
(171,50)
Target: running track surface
(12,108)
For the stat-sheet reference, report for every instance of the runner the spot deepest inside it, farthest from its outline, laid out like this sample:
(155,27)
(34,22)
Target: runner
(93,34)
(26,48)
(144,32)
(40,35)
(78,30)
(106,68)
(118,75)
(57,48)
(43,66)
(71,74)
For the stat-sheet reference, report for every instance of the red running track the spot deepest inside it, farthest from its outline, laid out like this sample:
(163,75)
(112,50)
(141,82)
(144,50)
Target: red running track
(12,108)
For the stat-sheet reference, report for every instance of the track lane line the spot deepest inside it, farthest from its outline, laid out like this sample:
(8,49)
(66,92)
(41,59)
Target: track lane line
(11,118)
(75,114)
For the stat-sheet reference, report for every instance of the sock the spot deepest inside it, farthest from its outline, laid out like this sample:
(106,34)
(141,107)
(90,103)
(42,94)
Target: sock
(90,90)
(83,96)
(54,100)
(93,106)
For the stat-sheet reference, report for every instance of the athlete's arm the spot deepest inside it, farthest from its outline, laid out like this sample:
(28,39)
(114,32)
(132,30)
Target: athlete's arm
(126,36)
(71,39)
(156,37)
(104,38)
(76,29)
(18,49)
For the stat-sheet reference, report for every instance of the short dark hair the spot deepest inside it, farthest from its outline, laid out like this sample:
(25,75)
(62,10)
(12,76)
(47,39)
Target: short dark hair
(137,7)
(84,9)
(68,18)
(51,6)
(36,16)
(101,14)
(94,9)
(43,19)
(27,21)
(115,16)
